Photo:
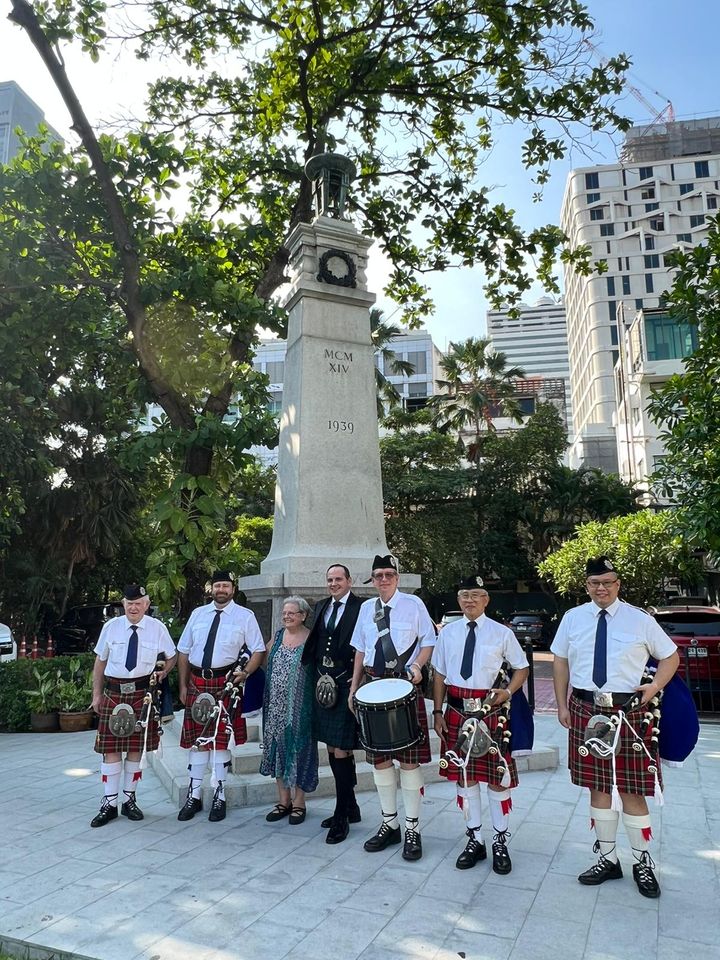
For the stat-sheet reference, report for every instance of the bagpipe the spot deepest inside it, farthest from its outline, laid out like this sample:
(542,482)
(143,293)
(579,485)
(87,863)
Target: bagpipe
(601,738)
(151,706)
(211,711)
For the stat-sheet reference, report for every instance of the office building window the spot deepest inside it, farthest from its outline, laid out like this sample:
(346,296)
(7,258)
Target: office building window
(697,220)
(275,370)
(649,243)
(626,286)
(649,286)
(612,311)
(686,188)
(274,404)
(607,229)
(607,246)
(702,168)
(657,223)
(666,339)
(592,181)
(597,213)
(613,335)
(684,237)
(649,207)
(615,356)
(645,173)
(417,389)
(652,261)
(712,203)
(418,358)
(610,281)
(639,303)
(648,193)
(593,197)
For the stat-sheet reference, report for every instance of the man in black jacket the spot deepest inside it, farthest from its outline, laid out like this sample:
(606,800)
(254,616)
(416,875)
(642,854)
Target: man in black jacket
(328,648)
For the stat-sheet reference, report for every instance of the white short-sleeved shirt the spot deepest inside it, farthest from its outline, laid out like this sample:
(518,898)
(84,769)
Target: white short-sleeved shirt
(493,644)
(237,628)
(632,637)
(410,626)
(112,646)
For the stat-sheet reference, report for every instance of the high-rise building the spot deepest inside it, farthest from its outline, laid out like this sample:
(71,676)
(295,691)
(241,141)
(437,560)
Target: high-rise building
(657,199)
(536,341)
(17,110)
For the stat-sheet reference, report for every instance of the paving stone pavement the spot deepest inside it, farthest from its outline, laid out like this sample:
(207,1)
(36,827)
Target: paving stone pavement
(248,890)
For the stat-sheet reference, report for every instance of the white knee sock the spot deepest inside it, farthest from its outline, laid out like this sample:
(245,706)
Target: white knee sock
(500,803)
(386,786)
(472,805)
(199,760)
(222,765)
(133,775)
(605,823)
(110,773)
(639,833)
(411,784)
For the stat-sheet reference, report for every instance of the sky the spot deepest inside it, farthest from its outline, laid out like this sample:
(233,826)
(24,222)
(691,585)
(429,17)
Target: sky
(673,48)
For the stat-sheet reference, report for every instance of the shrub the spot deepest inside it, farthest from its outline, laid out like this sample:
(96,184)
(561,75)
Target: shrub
(16,678)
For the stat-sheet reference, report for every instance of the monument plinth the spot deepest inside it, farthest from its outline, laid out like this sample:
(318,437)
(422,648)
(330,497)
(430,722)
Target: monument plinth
(328,497)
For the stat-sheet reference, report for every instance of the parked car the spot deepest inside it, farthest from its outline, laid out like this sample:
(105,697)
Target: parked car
(79,629)
(696,631)
(448,617)
(538,628)
(8,647)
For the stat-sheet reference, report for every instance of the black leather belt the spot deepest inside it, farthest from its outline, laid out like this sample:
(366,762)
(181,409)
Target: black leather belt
(129,685)
(588,696)
(211,673)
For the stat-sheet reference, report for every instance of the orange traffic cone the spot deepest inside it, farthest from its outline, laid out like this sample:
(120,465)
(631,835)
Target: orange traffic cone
(50,647)
(22,652)
(34,653)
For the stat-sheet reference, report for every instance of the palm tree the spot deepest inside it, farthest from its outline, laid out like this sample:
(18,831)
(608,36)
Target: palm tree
(478,384)
(381,334)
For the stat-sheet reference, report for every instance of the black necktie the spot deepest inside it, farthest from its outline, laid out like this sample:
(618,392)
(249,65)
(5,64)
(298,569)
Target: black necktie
(600,656)
(332,621)
(468,652)
(210,642)
(379,662)
(131,656)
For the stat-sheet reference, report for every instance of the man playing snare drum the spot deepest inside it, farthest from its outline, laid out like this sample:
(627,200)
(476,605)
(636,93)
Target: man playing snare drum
(127,652)
(394,637)
(468,658)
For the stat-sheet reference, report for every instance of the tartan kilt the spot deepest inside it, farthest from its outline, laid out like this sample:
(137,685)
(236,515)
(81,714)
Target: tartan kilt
(191,730)
(630,765)
(105,742)
(483,769)
(337,727)
(418,753)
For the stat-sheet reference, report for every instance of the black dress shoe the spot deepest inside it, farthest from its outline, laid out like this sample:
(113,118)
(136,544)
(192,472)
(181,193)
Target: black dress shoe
(353,817)
(644,876)
(107,813)
(601,871)
(192,806)
(218,810)
(501,858)
(412,848)
(385,837)
(339,829)
(475,850)
(131,810)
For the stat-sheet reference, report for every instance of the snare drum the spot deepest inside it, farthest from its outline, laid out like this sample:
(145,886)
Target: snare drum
(387,714)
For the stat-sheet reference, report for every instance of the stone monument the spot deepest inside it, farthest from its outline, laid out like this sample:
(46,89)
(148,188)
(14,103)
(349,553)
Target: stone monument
(328,497)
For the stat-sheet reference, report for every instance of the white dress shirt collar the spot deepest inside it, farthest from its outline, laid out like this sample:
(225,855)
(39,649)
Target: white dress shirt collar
(611,610)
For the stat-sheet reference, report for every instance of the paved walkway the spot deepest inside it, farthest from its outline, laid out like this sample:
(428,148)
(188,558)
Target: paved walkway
(248,890)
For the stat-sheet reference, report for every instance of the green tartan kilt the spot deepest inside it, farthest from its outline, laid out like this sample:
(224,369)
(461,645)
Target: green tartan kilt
(337,726)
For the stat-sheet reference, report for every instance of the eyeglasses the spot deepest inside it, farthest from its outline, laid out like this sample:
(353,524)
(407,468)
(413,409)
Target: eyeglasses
(470,595)
(602,583)
(293,613)
(384,576)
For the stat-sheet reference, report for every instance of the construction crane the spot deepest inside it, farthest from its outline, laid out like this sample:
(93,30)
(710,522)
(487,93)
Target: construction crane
(667,114)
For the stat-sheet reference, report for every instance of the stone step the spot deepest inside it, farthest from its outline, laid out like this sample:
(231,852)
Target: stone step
(245,787)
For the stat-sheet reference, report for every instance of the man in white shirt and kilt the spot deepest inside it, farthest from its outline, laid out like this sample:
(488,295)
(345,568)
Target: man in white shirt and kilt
(396,630)
(216,637)
(328,649)
(469,657)
(130,649)
(601,649)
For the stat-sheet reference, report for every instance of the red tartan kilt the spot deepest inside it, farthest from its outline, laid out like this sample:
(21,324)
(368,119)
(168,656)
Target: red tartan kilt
(483,769)
(105,742)
(418,753)
(191,730)
(631,766)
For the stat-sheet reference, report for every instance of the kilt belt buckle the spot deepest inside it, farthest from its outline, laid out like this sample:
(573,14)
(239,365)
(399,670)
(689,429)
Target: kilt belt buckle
(210,676)
(128,687)
(472,704)
(328,663)
(603,699)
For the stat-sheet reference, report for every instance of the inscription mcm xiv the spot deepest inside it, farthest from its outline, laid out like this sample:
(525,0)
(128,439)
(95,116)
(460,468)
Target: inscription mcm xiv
(338,360)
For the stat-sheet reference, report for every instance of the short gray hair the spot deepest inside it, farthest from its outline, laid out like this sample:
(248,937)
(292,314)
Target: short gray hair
(302,604)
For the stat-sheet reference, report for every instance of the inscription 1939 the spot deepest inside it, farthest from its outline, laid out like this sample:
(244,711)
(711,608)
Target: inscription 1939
(341,426)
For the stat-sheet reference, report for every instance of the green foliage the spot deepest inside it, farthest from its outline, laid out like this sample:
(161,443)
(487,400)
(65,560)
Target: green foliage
(687,406)
(249,544)
(44,696)
(643,546)
(19,676)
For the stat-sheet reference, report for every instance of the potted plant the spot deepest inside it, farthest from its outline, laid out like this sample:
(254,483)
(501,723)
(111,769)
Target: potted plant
(74,696)
(43,701)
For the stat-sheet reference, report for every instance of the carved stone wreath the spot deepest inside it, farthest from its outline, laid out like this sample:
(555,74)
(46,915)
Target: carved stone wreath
(325,274)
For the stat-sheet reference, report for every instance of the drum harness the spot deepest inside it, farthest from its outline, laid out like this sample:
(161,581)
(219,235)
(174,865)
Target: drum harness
(220,710)
(393,661)
(475,739)
(602,737)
